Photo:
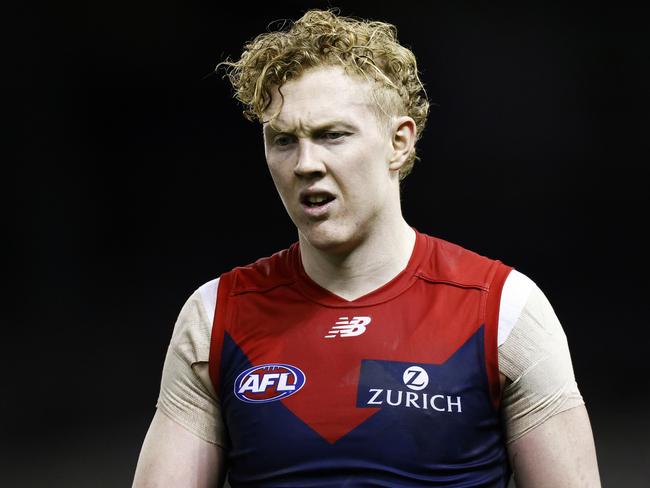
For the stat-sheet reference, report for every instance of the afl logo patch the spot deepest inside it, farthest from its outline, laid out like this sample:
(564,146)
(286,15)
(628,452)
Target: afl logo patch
(268,382)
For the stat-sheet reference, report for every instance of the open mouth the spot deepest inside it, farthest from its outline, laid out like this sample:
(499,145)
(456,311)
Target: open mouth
(318,200)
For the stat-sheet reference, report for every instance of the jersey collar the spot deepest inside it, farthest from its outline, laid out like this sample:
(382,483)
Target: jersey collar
(386,292)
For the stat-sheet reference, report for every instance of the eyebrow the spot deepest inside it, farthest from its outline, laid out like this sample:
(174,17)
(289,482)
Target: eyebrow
(268,129)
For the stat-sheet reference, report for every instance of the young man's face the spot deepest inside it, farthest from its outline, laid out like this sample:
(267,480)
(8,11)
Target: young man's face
(329,158)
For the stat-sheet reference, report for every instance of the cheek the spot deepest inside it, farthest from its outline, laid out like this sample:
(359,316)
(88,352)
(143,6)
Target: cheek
(279,179)
(273,167)
(373,178)
(374,165)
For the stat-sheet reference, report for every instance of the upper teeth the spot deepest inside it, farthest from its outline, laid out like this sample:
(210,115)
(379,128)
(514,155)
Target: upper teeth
(316,199)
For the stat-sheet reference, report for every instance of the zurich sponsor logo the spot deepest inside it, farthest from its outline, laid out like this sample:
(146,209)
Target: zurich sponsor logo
(387,384)
(415,378)
(268,383)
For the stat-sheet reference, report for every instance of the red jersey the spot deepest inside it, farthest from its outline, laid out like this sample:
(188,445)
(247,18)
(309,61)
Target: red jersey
(399,387)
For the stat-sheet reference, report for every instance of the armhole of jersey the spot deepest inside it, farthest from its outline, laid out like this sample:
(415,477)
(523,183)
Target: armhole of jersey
(514,296)
(218,329)
(492,330)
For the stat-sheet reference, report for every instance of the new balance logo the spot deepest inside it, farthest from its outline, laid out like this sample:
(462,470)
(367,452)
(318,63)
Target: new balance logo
(349,327)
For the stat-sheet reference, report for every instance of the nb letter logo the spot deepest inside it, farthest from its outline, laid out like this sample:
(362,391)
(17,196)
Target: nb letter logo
(345,327)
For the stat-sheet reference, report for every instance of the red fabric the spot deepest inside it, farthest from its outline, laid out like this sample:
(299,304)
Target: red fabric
(276,314)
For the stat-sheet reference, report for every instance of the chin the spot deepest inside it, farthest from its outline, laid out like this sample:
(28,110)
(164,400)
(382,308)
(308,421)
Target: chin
(331,239)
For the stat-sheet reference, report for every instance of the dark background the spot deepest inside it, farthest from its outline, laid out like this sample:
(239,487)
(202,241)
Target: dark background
(136,179)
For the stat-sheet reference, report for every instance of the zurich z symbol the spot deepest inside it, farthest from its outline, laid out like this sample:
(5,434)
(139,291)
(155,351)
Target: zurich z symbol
(415,378)
(349,328)
(268,383)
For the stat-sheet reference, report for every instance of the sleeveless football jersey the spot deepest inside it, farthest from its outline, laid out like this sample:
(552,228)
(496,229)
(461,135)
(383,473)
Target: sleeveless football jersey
(398,388)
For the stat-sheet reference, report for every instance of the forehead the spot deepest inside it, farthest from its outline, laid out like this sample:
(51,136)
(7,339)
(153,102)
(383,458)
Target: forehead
(320,96)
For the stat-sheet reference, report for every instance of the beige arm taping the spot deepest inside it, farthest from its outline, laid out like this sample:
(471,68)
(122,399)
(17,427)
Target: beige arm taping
(536,358)
(186,392)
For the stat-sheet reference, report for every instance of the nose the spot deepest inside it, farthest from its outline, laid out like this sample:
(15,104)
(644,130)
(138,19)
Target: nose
(309,162)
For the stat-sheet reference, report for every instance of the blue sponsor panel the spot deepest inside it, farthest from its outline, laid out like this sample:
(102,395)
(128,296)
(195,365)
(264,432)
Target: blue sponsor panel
(387,384)
(454,441)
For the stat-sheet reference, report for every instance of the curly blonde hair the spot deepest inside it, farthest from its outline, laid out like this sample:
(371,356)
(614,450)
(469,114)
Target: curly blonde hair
(322,38)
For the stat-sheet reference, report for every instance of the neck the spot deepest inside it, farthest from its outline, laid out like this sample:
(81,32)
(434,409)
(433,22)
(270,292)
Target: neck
(372,263)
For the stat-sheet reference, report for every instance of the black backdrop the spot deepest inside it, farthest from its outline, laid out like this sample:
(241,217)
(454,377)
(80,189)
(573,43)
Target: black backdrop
(136,179)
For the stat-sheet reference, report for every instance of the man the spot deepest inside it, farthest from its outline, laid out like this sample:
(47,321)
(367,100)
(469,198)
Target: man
(366,354)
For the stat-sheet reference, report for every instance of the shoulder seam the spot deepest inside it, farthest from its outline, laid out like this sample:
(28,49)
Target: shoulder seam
(254,289)
(458,284)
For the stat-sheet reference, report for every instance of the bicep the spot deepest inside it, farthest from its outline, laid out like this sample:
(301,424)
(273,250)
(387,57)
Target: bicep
(559,452)
(549,436)
(183,446)
(536,360)
(171,456)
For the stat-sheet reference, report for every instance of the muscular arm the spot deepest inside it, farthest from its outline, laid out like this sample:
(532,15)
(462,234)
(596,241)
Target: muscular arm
(560,452)
(549,438)
(172,457)
(184,446)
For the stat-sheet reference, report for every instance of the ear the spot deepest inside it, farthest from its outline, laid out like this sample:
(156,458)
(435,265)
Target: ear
(403,132)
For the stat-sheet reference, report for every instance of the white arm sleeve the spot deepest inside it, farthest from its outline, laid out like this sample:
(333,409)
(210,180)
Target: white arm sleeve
(186,392)
(534,356)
